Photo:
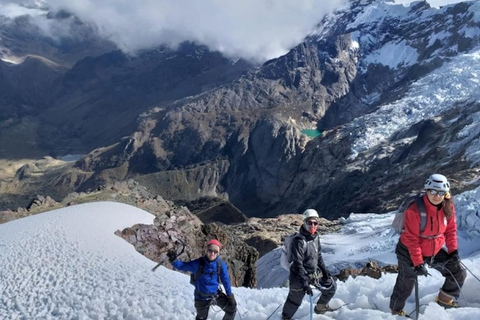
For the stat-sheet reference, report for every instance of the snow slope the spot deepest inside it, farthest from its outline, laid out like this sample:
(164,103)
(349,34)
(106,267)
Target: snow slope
(68,264)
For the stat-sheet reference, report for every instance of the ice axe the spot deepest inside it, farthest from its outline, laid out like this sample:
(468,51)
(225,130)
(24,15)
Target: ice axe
(162,262)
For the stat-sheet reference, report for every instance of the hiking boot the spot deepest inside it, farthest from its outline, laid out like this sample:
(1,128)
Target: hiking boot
(445,300)
(285,318)
(321,308)
(400,313)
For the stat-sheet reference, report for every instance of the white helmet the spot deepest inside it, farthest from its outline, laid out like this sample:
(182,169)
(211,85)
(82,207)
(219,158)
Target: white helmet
(310,213)
(438,182)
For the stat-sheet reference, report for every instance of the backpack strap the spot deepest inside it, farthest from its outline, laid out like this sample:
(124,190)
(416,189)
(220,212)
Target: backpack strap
(219,270)
(422,211)
(200,268)
(316,242)
(304,240)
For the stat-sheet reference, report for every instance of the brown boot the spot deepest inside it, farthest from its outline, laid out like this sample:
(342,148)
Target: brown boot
(400,313)
(446,300)
(321,308)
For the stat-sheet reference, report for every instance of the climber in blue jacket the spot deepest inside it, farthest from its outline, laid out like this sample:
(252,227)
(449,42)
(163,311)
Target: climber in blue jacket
(207,273)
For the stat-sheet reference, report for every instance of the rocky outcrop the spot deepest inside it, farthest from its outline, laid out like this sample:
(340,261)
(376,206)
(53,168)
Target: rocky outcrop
(371,269)
(183,232)
(268,233)
(41,202)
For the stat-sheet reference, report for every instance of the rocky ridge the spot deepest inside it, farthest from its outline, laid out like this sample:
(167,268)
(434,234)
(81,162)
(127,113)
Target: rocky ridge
(173,226)
(268,233)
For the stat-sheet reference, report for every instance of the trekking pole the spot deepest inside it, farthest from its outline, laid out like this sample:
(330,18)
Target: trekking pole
(162,262)
(311,307)
(417,300)
(274,311)
(470,271)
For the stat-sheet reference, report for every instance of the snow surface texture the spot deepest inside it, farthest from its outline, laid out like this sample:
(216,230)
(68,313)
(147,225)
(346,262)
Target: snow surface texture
(68,264)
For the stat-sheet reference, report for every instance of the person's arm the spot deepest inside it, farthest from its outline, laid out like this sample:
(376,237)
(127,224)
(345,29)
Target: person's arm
(190,266)
(298,255)
(411,236)
(226,279)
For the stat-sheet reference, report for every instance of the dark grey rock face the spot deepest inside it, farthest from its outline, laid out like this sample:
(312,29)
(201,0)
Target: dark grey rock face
(99,99)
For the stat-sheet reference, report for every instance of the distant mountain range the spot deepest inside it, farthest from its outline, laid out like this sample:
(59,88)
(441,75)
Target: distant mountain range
(392,89)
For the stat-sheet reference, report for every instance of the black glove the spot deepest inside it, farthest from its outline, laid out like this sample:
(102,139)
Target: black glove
(231,300)
(172,255)
(326,275)
(453,256)
(326,282)
(308,290)
(420,270)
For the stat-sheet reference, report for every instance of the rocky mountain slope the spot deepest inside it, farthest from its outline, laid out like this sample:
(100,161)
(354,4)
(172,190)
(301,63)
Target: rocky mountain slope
(32,64)
(99,98)
(244,140)
(70,91)
(238,136)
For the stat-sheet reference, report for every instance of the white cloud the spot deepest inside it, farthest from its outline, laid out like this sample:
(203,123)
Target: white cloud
(13,10)
(251,29)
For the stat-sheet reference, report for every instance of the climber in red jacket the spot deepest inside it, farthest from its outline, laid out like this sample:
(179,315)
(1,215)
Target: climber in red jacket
(417,248)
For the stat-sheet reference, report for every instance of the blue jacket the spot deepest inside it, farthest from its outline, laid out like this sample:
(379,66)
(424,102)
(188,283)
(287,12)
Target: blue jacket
(207,283)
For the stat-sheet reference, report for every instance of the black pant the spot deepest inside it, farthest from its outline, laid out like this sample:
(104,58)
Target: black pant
(221,300)
(453,272)
(296,294)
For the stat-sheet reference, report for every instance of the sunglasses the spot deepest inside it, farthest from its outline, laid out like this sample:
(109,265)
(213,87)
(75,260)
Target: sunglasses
(212,251)
(312,223)
(436,192)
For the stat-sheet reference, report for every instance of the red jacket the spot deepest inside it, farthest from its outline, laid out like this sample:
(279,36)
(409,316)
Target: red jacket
(437,225)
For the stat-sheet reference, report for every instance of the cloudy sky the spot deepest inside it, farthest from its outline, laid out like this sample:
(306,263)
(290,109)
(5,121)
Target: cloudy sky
(253,29)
